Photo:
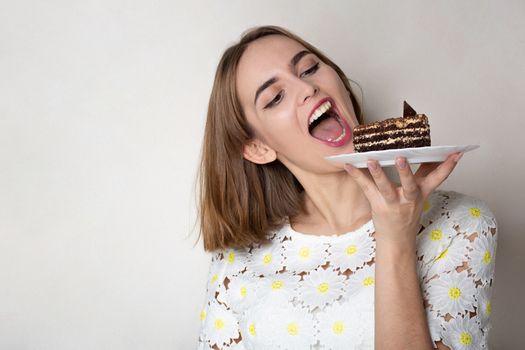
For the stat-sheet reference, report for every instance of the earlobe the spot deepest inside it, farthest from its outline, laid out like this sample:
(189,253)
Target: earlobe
(258,152)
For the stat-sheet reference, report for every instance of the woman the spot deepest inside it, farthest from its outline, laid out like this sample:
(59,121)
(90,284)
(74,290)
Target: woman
(311,254)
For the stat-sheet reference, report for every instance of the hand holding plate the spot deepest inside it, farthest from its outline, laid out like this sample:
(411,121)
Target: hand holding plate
(396,210)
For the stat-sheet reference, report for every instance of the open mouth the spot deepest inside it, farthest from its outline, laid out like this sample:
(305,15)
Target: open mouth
(326,125)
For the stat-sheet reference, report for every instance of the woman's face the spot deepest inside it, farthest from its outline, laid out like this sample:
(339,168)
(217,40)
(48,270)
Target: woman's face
(282,88)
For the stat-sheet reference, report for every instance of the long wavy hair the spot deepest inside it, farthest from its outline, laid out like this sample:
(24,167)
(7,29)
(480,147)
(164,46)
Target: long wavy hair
(240,202)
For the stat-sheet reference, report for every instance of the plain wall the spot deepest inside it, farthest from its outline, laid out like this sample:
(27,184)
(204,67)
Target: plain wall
(102,108)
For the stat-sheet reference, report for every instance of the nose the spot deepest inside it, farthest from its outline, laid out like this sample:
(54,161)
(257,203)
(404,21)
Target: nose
(307,90)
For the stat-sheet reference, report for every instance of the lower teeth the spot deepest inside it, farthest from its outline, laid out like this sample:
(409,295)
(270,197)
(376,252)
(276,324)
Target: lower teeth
(339,138)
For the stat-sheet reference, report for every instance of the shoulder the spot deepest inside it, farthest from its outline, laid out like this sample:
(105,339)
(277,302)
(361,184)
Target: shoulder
(226,263)
(233,277)
(458,230)
(233,264)
(466,211)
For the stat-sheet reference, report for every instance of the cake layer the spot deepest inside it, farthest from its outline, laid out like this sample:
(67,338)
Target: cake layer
(411,130)
(392,123)
(392,144)
(391,133)
(364,130)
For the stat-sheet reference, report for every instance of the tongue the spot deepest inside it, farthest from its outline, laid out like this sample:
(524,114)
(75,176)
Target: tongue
(328,129)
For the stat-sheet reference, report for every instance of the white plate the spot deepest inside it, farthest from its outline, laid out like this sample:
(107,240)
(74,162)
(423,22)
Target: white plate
(414,155)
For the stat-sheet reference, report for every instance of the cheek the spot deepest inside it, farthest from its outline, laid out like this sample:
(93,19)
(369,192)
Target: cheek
(331,79)
(335,81)
(283,132)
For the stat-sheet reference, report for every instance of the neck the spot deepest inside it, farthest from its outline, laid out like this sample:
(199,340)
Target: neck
(334,204)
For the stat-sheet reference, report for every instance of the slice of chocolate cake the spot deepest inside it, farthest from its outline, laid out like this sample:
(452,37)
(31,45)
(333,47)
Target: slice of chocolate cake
(411,130)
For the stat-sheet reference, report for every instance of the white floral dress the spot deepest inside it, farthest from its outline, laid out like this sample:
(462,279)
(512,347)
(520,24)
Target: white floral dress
(317,292)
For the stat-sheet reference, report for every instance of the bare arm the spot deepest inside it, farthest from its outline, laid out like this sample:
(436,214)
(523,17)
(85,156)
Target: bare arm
(400,320)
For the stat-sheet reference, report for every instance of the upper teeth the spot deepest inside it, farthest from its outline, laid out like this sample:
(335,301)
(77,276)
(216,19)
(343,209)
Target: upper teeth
(319,111)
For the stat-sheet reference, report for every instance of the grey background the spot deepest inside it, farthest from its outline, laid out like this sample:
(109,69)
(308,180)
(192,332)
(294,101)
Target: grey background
(102,107)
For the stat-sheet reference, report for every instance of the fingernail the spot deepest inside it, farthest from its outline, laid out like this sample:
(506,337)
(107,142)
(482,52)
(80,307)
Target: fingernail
(458,157)
(401,162)
(349,168)
(372,165)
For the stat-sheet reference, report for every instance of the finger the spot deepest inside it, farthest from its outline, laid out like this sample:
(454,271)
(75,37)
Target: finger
(425,169)
(440,174)
(384,185)
(410,188)
(364,181)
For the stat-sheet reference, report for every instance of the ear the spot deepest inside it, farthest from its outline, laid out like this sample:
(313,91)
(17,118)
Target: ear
(258,152)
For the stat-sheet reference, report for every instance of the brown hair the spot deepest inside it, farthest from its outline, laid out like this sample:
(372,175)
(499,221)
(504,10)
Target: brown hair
(241,202)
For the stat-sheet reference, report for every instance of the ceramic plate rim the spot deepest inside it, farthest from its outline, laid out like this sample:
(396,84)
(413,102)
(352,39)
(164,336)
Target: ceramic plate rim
(414,155)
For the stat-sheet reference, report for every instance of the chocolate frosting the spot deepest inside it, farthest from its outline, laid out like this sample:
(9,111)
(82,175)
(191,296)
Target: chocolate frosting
(407,110)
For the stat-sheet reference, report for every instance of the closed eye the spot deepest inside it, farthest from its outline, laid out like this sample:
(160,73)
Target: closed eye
(280,95)
(311,70)
(275,100)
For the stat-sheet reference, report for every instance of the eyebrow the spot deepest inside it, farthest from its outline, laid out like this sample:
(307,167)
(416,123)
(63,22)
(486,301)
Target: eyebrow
(293,62)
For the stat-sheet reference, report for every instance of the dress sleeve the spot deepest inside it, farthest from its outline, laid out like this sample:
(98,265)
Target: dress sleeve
(219,323)
(458,251)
